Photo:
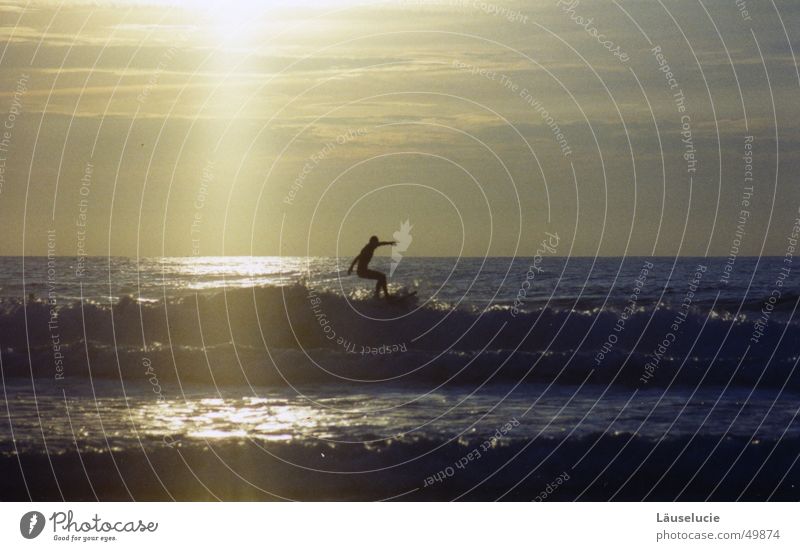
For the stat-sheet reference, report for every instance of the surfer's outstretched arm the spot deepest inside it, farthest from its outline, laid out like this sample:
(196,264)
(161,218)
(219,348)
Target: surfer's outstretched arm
(387,243)
(353,263)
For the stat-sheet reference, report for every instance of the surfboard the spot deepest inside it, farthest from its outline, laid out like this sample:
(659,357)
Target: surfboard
(401,298)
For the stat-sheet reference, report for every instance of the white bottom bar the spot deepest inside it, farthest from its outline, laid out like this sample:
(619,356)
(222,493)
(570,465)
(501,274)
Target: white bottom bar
(401,526)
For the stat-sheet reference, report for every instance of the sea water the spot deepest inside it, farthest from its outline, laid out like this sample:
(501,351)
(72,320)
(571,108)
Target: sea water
(283,378)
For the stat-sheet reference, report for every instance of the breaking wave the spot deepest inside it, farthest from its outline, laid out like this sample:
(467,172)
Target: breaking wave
(295,334)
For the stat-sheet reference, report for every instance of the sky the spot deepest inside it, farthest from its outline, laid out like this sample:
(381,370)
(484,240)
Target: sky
(200,128)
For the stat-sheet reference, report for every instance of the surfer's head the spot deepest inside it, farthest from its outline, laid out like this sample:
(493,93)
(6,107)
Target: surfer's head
(373,240)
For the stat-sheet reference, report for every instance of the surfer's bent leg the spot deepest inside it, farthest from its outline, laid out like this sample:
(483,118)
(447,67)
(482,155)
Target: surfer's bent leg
(379,284)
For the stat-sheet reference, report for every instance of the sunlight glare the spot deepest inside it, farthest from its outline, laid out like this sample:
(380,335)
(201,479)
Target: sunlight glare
(241,21)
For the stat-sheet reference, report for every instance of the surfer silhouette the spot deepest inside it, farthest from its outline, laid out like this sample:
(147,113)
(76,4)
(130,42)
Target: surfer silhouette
(363,270)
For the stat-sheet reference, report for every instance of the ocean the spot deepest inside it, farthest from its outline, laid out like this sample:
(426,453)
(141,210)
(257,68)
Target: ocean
(261,378)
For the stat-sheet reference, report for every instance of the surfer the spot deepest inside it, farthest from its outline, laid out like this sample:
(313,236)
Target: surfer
(363,270)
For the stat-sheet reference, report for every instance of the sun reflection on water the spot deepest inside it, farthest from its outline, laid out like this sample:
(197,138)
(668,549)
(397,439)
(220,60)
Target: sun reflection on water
(218,418)
(211,272)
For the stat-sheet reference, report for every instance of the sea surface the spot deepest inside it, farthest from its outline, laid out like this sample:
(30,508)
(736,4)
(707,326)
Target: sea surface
(543,378)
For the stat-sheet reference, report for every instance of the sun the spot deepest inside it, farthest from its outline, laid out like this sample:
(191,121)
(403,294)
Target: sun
(237,21)
(240,20)
(225,21)
(233,22)
(240,23)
